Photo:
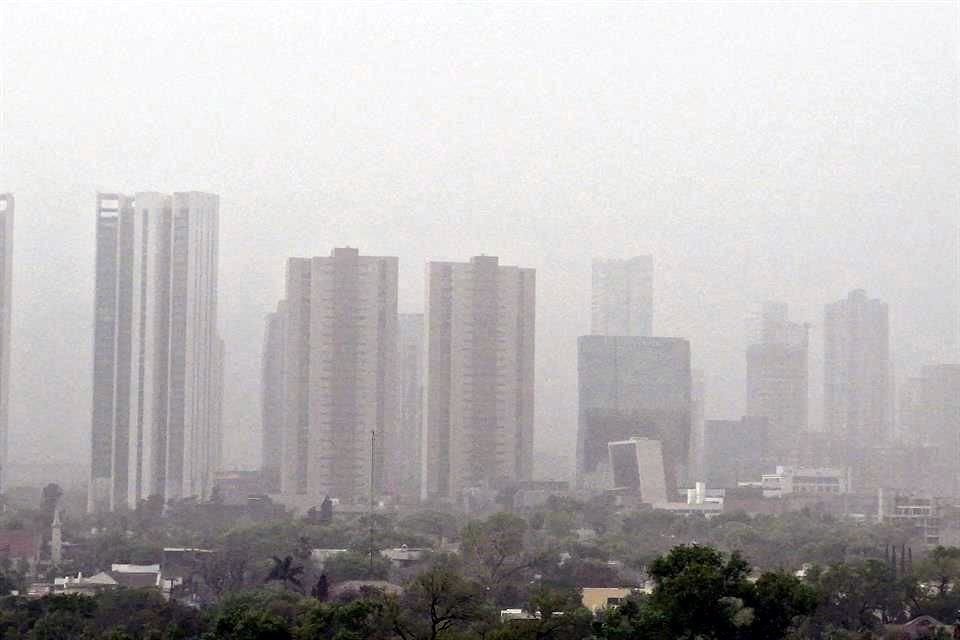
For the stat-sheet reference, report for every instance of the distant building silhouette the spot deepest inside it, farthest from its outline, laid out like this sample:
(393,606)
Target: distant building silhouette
(736,451)
(7,205)
(272,397)
(339,373)
(930,418)
(634,386)
(158,359)
(857,375)
(478,409)
(622,297)
(404,454)
(777,375)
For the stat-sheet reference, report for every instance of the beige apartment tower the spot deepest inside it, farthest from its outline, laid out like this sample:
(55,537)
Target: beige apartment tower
(339,368)
(158,358)
(478,395)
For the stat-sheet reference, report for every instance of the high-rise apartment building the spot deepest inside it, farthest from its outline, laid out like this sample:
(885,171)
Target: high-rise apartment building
(622,299)
(339,374)
(634,386)
(158,359)
(857,375)
(405,453)
(272,397)
(777,375)
(6,280)
(478,407)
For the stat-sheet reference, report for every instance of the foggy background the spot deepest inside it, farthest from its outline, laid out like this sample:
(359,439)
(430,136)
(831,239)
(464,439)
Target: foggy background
(788,151)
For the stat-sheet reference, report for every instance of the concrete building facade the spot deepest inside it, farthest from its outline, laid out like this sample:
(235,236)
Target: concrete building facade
(857,375)
(634,386)
(637,464)
(622,297)
(736,451)
(7,205)
(158,358)
(930,418)
(272,397)
(479,389)
(777,375)
(339,374)
(406,453)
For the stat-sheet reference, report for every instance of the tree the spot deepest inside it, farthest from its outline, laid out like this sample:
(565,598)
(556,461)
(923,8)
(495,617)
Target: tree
(780,602)
(700,593)
(352,565)
(286,573)
(321,589)
(439,603)
(495,547)
(251,625)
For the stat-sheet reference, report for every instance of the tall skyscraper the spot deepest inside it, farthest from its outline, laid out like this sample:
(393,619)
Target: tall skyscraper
(857,374)
(622,302)
(6,280)
(634,386)
(478,419)
(272,397)
(339,373)
(777,375)
(157,364)
(405,454)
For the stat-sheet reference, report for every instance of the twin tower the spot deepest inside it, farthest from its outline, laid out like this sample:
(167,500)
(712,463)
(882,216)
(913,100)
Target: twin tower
(158,358)
(421,406)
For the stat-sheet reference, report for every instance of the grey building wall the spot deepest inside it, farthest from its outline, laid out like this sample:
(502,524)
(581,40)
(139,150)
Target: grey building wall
(857,403)
(622,297)
(634,386)
(405,454)
(777,376)
(737,451)
(272,398)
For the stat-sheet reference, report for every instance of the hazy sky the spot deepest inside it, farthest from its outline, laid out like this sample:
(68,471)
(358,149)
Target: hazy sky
(785,151)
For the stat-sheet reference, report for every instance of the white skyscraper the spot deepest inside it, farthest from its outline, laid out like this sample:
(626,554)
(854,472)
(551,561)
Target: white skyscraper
(6,279)
(622,302)
(478,420)
(340,372)
(158,358)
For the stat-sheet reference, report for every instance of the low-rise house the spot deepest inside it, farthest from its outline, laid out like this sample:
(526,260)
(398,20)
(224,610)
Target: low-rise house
(599,598)
(403,555)
(919,628)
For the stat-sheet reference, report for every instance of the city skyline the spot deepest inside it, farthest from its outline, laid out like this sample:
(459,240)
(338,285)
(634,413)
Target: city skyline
(796,182)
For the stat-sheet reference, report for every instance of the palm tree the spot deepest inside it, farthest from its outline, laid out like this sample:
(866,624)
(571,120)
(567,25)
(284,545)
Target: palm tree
(286,573)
